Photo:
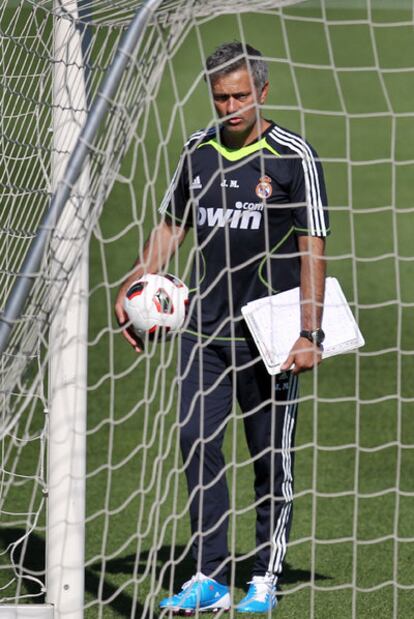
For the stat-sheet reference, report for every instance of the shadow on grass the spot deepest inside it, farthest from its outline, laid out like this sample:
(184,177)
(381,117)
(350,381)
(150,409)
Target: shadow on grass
(32,563)
(122,601)
(183,571)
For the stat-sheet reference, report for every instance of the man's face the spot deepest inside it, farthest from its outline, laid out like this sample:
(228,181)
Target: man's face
(236,97)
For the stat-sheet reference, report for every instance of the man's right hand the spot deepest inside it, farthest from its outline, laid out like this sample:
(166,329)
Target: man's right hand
(158,249)
(123,320)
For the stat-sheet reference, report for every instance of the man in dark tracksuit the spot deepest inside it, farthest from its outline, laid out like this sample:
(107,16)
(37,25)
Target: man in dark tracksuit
(254,195)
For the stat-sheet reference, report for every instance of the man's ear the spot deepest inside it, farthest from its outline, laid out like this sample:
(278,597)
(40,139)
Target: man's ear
(263,94)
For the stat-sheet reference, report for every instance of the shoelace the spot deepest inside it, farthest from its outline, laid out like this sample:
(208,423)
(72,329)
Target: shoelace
(199,577)
(262,586)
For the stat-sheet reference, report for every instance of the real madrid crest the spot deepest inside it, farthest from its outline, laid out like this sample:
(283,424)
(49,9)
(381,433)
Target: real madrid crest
(264,187)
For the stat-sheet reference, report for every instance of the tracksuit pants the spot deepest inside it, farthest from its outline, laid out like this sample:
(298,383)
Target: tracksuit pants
(211,375)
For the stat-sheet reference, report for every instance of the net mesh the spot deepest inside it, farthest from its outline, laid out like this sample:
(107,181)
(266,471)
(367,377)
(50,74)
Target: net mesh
(342,76)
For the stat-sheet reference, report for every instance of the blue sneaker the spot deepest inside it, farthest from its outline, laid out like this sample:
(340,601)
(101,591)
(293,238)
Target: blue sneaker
(260,598)
(200,593)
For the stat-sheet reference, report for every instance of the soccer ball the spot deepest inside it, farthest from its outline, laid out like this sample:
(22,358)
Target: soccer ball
(156,301)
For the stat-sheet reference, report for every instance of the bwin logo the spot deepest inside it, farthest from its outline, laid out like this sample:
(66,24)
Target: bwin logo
(236,219)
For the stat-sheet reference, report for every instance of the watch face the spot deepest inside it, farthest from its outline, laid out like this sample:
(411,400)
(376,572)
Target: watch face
(318,336)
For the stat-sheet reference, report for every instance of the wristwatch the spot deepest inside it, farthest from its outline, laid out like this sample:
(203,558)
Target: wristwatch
(316,337)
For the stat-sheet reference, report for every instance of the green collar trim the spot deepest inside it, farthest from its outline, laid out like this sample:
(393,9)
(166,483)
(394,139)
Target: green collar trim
(234,154)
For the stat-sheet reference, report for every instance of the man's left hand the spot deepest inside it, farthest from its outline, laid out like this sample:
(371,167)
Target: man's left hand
(305,355)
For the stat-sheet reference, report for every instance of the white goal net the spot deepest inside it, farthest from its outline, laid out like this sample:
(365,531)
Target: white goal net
(342,76)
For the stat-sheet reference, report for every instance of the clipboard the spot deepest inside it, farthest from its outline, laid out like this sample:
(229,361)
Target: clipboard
(274,323)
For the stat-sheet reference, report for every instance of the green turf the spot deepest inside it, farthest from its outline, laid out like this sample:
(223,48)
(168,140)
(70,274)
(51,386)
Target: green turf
(352,545)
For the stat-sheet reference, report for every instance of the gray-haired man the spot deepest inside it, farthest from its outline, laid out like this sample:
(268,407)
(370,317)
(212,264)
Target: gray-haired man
(255,196)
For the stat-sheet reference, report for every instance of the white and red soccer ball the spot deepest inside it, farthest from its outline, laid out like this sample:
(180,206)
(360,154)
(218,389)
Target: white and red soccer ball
(156,302)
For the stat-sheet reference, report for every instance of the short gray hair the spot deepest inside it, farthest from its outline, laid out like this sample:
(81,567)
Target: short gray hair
(229,57)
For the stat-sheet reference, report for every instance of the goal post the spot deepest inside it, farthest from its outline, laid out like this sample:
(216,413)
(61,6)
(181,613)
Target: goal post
(67,397)
(73,135)
(86,158)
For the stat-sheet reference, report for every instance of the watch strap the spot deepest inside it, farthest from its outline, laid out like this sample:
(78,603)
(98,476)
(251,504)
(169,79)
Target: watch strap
(316,336)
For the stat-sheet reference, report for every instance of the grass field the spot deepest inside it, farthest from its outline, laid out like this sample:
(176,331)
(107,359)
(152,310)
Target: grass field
(348,88)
